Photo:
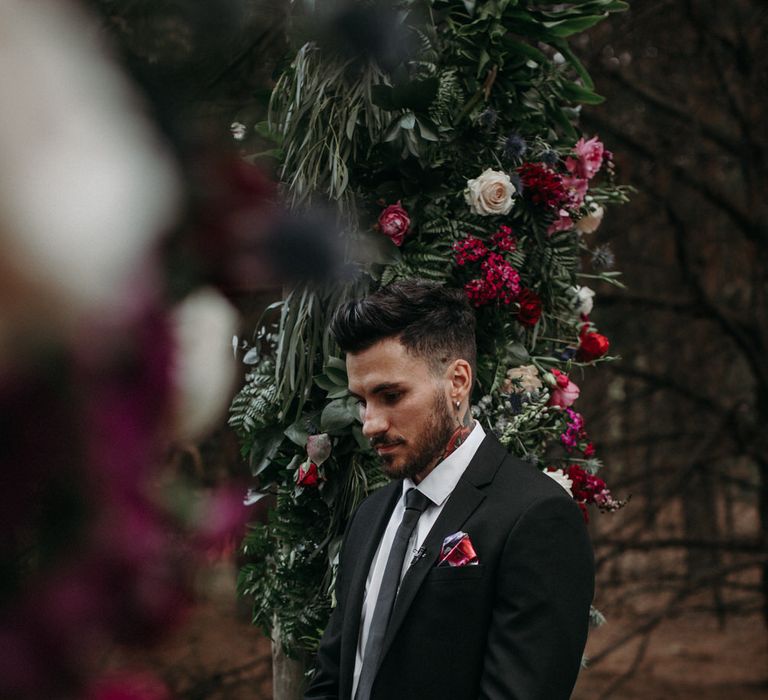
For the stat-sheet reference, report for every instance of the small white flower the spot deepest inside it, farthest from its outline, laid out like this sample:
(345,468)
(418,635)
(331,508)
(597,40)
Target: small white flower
(583,300)
(490,194)
(561,478)
(87,186)
(239,130)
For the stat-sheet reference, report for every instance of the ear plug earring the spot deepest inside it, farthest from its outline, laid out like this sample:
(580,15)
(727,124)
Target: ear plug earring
(458,405)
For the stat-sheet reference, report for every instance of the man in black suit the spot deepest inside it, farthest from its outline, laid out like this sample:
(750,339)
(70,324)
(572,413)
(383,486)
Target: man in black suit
(471,574)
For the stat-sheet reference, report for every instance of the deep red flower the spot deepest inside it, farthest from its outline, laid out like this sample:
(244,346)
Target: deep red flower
(530,307)
(469,249)
(478,292)
(591,346)
(589,450)
(504,240)
(543,186)
(501,278)
(308,475)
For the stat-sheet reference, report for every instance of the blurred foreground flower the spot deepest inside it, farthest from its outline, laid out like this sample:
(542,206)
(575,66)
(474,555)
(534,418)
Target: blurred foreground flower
(88,186)
(204,367)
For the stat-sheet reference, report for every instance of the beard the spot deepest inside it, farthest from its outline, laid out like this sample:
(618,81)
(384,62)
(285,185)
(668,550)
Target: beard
(430,445)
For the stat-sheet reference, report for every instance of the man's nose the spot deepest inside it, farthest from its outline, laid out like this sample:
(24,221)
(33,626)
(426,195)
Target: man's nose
(374,422)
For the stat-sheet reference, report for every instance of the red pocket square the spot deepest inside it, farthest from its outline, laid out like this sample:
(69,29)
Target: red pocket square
(457,550)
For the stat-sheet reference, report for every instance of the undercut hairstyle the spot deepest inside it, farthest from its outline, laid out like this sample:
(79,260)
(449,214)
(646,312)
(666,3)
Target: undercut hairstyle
(432,322)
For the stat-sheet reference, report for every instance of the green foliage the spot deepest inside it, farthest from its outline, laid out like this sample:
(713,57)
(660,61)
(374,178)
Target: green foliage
(486,73)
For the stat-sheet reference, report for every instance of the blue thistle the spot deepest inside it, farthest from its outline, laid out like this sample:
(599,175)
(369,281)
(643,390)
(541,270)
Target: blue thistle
(488,117)
(513,147)
(550,158)
(603,257)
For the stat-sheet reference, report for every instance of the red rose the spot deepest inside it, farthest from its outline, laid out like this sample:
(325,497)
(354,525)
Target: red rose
(530,307)
(308,475)
(591,346)
(394,223)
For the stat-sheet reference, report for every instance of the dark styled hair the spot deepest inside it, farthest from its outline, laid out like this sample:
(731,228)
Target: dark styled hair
(432,322)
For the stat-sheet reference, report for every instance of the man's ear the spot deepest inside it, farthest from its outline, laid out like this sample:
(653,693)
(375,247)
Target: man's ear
(460,378)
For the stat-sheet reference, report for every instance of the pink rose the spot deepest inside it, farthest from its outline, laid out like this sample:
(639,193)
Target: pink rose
(394,223)
(318,448)
(565,392)
(589,158)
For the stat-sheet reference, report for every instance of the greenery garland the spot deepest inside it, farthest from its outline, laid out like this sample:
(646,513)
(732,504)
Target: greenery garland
(462,164)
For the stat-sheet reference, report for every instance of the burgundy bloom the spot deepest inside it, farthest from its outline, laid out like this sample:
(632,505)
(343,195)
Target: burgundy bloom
(543,186)
(394,223)
(530,307)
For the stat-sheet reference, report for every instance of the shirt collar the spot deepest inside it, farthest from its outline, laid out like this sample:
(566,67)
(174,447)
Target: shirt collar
(441,481)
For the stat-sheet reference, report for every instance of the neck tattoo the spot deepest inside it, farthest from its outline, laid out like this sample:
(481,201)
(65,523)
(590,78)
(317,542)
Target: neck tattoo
(459,436)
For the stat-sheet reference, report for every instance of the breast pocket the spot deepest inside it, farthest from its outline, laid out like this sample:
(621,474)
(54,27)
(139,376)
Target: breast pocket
(456,573)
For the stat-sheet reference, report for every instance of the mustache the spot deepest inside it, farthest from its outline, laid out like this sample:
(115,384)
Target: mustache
(383,441)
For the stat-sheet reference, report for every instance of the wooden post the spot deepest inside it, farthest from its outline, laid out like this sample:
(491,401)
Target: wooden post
(287,673)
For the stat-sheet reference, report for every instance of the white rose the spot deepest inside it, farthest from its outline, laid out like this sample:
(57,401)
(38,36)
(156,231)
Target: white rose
(490,194)
(204,365)
(583,300)
(523,379)
(590,222)
(561,478)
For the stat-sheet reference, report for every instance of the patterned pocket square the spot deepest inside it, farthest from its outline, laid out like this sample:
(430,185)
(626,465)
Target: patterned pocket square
(457,550)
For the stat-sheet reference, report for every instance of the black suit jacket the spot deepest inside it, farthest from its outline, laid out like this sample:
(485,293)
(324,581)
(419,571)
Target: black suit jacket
(513,627)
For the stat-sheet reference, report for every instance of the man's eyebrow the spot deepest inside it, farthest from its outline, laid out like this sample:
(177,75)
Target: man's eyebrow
(384,386)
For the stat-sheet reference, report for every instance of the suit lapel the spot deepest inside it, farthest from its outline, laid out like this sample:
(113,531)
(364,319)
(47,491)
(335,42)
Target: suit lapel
(373,531)
(466,497)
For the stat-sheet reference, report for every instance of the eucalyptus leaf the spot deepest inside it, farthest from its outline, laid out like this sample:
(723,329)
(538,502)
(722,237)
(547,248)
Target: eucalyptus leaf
(263,452)
(336,416)
(337,376)
(297,433)
(338,364)
(338,393)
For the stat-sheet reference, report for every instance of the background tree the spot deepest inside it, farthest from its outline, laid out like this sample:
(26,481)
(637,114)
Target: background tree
(685,414)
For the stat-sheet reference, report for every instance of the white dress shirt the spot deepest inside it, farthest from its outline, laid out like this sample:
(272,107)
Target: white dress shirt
(436,486)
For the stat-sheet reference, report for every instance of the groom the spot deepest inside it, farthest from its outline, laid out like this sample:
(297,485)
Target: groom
(471,574)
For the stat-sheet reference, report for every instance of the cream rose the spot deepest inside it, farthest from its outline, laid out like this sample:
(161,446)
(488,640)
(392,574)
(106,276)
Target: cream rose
(523,379)
(490,194)
(590,222)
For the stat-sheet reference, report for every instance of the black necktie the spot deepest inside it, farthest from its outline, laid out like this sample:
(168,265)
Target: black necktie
(415,504)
